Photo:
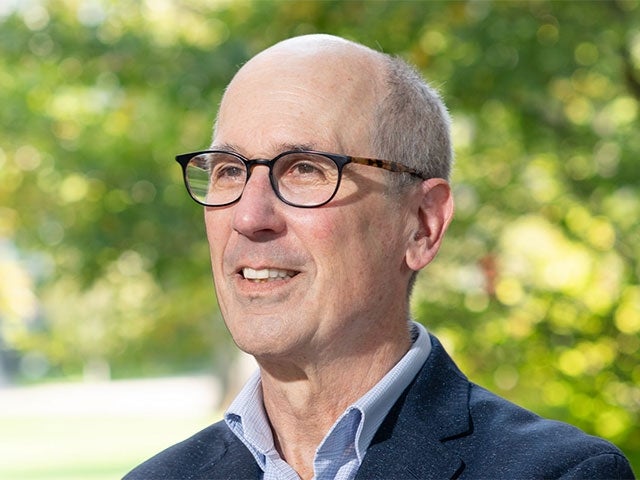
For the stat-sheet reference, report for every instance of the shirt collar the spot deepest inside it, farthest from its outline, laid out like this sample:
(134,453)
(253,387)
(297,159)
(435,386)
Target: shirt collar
(248,420)
(377,402)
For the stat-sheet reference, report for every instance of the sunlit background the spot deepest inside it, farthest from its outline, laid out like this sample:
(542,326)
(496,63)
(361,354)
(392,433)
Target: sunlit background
(111,344)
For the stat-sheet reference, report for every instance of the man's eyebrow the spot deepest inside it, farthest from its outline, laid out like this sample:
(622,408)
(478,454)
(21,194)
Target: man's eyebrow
(229,147)
(296,147)
(278,148)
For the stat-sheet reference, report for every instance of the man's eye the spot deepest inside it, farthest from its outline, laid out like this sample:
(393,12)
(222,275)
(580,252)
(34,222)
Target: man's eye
(305,168)
(227,172)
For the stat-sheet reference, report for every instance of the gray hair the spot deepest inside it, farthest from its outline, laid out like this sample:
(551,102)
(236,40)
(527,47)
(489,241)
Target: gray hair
(412,125)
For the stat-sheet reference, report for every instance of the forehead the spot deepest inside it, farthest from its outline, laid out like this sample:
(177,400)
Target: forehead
(291,98)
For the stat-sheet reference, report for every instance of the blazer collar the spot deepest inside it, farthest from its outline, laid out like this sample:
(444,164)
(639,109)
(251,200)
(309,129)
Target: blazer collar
(433,410)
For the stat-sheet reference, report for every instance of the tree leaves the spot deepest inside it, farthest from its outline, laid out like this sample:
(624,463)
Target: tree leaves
(536,288)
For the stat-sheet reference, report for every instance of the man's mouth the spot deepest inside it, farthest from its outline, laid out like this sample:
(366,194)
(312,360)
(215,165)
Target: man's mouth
(266,274)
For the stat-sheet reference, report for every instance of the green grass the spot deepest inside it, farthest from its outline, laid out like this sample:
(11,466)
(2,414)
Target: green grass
(45,438)
(87,447)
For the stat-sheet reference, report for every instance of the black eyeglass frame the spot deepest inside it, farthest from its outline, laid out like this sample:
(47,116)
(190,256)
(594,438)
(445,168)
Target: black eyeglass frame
(339,160)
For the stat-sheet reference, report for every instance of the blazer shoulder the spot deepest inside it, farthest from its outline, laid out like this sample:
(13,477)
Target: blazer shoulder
(196,457)
(444,426)
(521,441)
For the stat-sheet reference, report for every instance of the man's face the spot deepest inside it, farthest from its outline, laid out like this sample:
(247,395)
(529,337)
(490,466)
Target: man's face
(336,274)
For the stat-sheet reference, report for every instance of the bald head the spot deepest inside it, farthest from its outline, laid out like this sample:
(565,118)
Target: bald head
(322,51)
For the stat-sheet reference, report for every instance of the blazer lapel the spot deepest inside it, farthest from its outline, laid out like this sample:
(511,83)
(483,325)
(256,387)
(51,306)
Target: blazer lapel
(412,442)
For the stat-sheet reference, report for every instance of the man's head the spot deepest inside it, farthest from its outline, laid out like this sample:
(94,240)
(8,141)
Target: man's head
(338,275)
(408,123)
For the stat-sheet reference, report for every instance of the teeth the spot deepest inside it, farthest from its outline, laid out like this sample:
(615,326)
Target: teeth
(265,274)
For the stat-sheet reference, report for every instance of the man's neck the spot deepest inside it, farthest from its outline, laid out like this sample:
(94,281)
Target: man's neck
(303,403)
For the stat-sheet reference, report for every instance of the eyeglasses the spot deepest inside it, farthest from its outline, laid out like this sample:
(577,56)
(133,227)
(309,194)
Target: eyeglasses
(306,179)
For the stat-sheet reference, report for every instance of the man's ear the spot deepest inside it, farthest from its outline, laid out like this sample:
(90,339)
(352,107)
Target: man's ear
(434,213)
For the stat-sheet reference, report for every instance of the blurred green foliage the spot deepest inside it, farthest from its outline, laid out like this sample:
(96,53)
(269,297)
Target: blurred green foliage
(103,258)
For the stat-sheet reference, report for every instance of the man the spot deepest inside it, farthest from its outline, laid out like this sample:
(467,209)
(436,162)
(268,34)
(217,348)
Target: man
(314,255)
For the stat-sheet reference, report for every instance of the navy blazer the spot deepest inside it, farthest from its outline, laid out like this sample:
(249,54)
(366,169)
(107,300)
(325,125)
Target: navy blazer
(441,427)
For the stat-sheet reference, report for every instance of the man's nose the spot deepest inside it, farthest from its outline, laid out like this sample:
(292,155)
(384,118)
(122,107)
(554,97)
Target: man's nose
(258,212)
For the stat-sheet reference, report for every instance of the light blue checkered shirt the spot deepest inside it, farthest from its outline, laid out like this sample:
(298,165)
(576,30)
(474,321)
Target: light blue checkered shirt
(342,450)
